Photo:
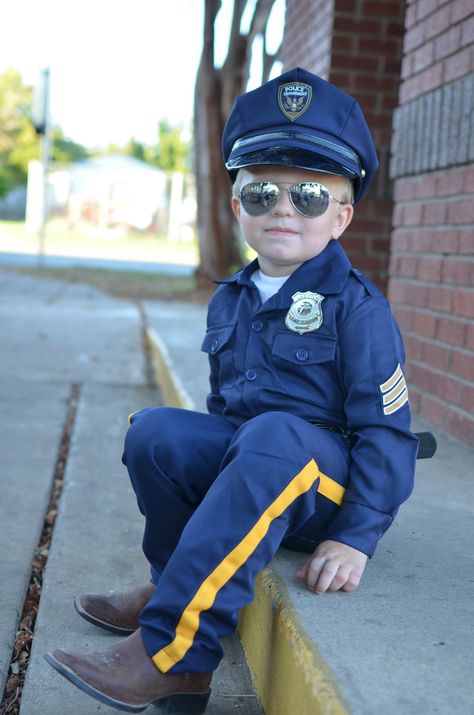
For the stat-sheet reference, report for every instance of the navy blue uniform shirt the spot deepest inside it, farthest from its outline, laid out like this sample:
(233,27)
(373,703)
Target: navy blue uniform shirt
(346,372)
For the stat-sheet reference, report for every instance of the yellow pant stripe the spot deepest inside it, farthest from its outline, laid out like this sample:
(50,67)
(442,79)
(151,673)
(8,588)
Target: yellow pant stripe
(330,489)
(207,592)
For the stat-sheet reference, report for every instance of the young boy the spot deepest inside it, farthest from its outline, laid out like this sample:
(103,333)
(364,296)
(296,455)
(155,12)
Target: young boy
(307,442)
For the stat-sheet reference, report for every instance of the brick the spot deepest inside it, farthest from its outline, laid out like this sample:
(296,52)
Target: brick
(439,298)
(462,364)
(458,65)
(424,8)
(429,269)
(466,240)
(467,32)
(450,183)
(463,303)
(437,22)
(410,16)
(450,389)
(468,180)
(460,426)
(447,43)
(458,271)
(432,410)
(359,26)
(423,376)
(343,43)
(404,318)
(434,214)
(460,9)
(422,241)
(412,214)
(437,356)
(414,38)
(386,9)
(423,56)
(407,266)
(446,241)
(466,401)
(461,212)
(413,347)
(451,331)
(469,342)
(424,324)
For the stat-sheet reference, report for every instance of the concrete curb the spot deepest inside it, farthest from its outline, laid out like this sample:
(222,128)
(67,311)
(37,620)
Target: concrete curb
(289,674)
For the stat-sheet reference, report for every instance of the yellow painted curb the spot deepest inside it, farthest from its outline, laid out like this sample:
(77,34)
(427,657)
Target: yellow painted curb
(288,672)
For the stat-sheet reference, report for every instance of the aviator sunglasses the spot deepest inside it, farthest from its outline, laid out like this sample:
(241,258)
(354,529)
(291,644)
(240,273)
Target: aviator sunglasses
(309,198)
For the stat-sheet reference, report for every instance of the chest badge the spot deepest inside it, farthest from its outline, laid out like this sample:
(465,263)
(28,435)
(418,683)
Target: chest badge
(305,314)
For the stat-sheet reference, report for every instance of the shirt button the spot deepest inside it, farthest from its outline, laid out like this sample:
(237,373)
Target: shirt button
(250,374)
(214,346)
(302,354)
(257,325)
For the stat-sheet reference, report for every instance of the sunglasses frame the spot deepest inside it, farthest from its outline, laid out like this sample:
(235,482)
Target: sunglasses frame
(289,186)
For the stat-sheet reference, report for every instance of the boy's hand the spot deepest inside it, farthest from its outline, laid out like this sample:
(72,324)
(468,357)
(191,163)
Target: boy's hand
(333,566)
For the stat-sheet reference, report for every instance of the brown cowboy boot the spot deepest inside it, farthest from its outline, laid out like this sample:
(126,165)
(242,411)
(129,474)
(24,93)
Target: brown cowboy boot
(125,677)
(116,612)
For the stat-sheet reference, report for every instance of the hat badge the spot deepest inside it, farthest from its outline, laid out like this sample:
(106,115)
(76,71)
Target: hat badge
(305,314)
(294,99)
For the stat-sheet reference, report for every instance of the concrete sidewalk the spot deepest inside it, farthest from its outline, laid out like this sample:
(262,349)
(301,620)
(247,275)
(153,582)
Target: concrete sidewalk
(61,341)
(403,643)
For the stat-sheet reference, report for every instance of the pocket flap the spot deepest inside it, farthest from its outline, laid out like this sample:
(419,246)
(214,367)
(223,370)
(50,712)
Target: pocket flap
(216,338)
(304,349)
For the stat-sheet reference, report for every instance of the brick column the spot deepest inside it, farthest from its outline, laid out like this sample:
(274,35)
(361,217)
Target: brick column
(432,264)
(357,44)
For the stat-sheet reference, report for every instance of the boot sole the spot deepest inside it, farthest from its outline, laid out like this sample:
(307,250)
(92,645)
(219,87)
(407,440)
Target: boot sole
(102,624)
(175,704)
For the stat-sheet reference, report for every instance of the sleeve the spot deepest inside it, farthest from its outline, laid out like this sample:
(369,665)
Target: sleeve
(383,454)
(214,401)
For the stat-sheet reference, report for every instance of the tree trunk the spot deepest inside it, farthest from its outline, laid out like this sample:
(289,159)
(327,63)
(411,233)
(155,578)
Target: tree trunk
(215,92)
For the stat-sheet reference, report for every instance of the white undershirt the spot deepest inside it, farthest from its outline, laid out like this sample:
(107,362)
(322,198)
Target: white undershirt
(267,285)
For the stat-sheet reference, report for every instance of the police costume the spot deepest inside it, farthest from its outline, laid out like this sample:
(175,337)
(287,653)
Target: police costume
(308,432)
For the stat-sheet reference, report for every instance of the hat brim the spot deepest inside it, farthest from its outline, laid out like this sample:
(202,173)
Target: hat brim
(288,156)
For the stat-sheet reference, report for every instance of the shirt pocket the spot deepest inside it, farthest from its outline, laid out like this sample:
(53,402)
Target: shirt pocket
(304,350)
(218,343)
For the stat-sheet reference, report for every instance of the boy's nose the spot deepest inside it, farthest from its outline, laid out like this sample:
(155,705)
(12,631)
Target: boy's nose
(283,206)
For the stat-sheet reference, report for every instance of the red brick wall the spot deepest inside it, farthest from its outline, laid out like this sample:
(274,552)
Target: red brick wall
(357,44)
(308,35)
(431,290)
(432,263)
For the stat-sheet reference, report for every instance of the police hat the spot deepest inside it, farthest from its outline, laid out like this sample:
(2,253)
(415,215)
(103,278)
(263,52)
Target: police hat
(300,120)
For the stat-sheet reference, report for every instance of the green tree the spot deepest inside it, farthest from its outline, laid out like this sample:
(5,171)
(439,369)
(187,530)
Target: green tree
(172,153)
(66,150)
(18,141)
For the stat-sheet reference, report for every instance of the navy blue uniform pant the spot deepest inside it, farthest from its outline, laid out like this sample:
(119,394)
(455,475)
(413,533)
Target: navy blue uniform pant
(218,501)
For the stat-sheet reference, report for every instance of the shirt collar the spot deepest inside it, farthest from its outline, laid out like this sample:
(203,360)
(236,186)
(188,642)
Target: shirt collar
(326,273)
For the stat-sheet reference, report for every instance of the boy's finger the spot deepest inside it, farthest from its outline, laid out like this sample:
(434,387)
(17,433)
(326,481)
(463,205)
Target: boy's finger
(321,577)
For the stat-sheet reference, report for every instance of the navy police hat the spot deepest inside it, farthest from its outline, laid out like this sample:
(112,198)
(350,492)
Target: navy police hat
(301,120)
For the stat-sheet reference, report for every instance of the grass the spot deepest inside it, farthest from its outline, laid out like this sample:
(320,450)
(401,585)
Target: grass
(86,240)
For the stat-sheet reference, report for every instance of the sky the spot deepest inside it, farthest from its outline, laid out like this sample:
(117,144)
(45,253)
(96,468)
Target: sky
(116,66)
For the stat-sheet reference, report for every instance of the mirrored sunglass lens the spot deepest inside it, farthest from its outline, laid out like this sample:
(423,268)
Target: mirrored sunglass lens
(311,199)
(260,197)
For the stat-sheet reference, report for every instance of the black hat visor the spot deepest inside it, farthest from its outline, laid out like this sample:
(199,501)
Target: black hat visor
(297,149)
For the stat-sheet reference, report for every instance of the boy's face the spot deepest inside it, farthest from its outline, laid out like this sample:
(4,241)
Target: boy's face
(283,238)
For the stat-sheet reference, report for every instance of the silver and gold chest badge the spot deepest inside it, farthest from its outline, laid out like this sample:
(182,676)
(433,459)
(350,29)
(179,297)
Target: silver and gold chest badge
(294,99)
(305,314)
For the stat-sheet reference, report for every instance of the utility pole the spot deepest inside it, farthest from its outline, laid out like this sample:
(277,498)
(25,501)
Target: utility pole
(41,122)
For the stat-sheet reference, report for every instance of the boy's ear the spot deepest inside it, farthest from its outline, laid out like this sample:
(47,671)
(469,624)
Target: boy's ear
(236,207)
(343,218)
